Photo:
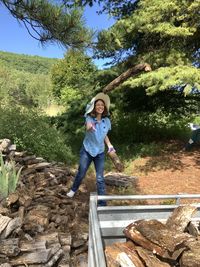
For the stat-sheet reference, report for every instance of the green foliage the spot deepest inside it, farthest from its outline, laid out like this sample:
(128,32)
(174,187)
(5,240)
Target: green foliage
(9,177)
(117,8)
(25,89)
(152,26)
(74,80)
(32,132)
(137,127)
(48,21)
(164,34)
(167,78)
(73,76)
(32,64)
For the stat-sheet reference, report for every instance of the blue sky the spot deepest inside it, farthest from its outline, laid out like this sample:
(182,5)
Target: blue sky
(15,38)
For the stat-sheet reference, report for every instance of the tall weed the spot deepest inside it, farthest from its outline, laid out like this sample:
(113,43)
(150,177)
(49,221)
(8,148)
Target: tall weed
(9,177)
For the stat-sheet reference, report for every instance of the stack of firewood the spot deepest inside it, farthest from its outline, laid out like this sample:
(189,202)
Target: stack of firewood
(38,223)
(152,243)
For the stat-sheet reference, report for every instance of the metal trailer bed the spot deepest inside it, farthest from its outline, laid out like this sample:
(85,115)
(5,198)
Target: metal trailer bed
(106,224)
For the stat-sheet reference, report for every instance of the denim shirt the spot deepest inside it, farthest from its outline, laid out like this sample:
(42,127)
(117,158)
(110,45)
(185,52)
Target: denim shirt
(94,139)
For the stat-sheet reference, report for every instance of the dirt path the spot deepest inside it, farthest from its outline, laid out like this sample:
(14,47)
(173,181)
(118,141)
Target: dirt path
(172,172)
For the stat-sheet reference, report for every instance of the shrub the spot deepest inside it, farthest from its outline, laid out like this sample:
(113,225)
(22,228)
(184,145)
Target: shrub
(32,132)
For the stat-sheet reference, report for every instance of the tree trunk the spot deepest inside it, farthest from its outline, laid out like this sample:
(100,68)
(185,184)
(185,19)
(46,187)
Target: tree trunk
(125,75)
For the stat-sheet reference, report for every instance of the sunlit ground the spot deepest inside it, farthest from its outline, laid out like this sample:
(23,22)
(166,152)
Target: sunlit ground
(53,110)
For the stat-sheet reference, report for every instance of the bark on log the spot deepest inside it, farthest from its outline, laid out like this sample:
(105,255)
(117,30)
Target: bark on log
(131,232)
(192,229)
(65,239)
(190,258)
(55,258)
(180,218)
(26,246)
(41,256)
(3,211)
(150,259)
(12,198)
(39,166)
(125,75)
(116,161)
(25,200)
(51,238)
(39,215)
(21,212)
(153,235)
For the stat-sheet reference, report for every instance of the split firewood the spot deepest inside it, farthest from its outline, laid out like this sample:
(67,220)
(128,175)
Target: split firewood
(41,256)
(4,145)
(158,238)
(149,258)
(50,238)
(4,220)
(193,230)
(33,245)
(180,218)
(3,211)
(129,248)
(132,233)
(31,265)
(191,257)
(39,166)
(65,239)
(26,159)
(64,262)
(26,172)
(118,254)
(159,234)
(25,200)
(12,198)
(64,265)
(55,258)
(81,261)
(39,215)
(10,247)
(11,226)
(21,213)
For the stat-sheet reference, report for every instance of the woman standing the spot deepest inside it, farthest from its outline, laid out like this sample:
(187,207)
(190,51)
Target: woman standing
(97,126)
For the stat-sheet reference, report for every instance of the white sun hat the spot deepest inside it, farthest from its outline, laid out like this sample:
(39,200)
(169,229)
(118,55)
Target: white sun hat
(99,96)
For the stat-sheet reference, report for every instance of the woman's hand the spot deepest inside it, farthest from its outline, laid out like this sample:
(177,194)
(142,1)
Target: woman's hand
(111,149)
(90,126)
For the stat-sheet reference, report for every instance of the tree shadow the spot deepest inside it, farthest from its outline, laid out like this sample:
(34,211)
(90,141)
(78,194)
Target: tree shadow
(168,160)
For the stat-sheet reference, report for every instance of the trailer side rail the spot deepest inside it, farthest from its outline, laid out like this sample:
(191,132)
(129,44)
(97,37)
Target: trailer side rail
(106,224)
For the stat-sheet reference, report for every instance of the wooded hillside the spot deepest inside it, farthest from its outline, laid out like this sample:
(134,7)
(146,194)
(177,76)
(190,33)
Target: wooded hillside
(32,64)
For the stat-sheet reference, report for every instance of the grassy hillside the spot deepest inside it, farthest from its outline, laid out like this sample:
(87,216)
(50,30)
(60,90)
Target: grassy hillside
(32,64)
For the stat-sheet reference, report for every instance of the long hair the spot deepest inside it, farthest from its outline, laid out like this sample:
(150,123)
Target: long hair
(93,112)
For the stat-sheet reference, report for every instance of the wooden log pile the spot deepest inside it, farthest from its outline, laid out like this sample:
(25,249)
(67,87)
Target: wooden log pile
(39,225)
(151,243)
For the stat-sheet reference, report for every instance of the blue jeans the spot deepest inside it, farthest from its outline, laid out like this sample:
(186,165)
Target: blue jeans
(84,163)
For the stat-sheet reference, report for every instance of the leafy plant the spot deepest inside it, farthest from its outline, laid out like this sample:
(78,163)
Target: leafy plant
(31,131)
(9,177)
